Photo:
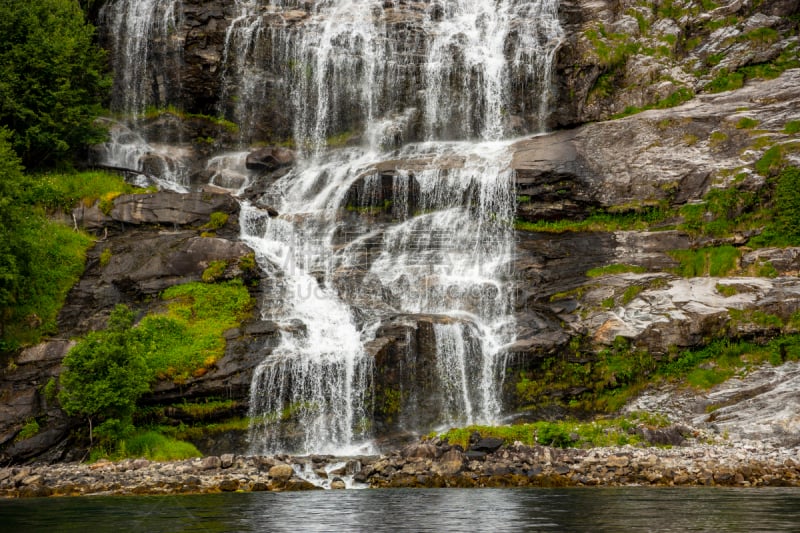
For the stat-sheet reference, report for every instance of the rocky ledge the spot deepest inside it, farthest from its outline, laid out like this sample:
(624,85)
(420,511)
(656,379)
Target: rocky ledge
(433,463)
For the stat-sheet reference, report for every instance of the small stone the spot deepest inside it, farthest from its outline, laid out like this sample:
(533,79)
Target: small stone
(338,484)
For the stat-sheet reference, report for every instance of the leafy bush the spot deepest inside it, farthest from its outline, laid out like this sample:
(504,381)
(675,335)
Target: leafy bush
(105,373)
(53,79)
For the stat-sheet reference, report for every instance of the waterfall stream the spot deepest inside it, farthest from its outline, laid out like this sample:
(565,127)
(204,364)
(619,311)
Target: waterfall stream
(422,95)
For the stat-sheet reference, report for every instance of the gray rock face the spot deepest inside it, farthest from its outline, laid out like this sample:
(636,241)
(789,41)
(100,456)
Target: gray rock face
(618,55)
(666,155)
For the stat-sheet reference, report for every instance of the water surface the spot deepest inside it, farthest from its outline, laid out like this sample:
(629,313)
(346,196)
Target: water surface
(612,509)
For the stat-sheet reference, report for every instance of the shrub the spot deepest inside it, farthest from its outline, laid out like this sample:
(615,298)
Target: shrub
(105,373)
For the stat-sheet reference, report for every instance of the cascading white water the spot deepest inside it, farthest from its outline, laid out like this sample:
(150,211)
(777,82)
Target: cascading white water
(144,34)
(138,27)
(394,72)
(396,79)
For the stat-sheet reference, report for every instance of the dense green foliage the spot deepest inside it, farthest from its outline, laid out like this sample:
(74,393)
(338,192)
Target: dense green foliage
(106,372)
(52,79)
(40,260)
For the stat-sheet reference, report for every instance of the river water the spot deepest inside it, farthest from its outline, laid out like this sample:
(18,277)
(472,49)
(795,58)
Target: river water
(606,509)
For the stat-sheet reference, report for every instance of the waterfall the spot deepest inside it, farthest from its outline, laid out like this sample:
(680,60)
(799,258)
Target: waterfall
(401,203)
(144,34)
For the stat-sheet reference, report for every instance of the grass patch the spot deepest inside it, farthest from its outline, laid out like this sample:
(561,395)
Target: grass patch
(30,429)
(55,259)
(188,338)
(723,358)
(640,219)
(154,112)
(711,261)
(562,434)
(683,94)
(617,268)
(792,127)
(746,123)
(63,191)
(151,445)
(726,290)
(206,408)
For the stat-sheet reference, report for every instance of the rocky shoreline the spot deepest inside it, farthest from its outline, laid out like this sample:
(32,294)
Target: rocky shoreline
(434,463)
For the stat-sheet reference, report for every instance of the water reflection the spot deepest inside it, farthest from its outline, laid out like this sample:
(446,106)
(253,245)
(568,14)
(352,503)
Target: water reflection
(624,509)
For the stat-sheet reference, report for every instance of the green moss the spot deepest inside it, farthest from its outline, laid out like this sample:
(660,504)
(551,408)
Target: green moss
(617,268)
(681,95)
(216,221)
(726,81)
(562,434)
(630,293)
(523,198)
(214,271)
(755,316)
(717,138)
(746,123)
(105,257)
(792,127)
(371,210)
(761,35)
(608,303)
(153,113)
(726,290)
(187,338)
(205,408)
(248,262)
(30,429)
(771,161)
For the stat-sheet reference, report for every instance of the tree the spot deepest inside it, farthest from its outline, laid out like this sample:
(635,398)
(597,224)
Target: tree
(11,182)
(52,79)
(105,373)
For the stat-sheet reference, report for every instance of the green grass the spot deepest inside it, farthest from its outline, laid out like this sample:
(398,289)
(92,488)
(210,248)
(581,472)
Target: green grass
(792,127)
(723,358)
(617,268)
(205,408)
(187,338)
(153,113)
(726,290)
(683,94)
(771,161)
(746,123)
(30,429)
(562,434)
(630,293)
(600,221)
(63,191)
(56,256)
(149,444)
(711,261)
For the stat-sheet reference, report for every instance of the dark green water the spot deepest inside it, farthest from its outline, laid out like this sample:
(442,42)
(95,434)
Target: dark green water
(489,510)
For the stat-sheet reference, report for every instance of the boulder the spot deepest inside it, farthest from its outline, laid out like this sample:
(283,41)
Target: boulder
(270,158)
